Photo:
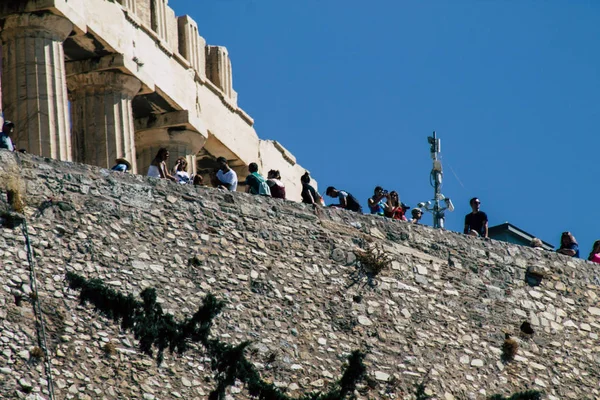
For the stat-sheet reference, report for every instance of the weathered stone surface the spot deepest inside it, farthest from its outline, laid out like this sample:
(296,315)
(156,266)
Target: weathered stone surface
(285,293)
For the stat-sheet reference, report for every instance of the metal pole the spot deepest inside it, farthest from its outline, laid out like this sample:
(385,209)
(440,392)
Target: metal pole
(438,216)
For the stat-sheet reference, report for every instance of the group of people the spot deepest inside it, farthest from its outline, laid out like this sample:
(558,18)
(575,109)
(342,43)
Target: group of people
(382,202)
(570,247)
(224,177)
(476,224)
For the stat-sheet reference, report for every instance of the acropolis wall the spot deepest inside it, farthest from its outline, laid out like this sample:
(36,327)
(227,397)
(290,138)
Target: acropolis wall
(94,80)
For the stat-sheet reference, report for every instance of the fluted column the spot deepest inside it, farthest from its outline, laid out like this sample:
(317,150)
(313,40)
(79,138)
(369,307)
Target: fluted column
(34,83)
(102,117)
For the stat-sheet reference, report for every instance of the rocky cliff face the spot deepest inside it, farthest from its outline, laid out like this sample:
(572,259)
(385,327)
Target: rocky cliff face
(437,313)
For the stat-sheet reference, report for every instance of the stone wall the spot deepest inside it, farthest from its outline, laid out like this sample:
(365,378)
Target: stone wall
(438,313)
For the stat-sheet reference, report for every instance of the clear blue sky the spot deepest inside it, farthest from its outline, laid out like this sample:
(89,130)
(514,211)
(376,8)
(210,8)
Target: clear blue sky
(353,89)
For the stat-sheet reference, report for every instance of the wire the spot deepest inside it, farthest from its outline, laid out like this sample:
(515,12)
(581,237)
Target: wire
(37,308)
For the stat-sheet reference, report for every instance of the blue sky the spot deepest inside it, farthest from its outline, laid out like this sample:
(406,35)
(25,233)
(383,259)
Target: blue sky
(353,89)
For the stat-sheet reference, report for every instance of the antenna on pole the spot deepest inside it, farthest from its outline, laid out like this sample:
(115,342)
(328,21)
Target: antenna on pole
(435,179)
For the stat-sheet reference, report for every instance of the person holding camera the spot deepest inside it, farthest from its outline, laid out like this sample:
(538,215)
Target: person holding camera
(396,209)
(180,171)
(378,204)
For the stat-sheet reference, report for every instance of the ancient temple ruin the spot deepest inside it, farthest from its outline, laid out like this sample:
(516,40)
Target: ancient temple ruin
(94,80)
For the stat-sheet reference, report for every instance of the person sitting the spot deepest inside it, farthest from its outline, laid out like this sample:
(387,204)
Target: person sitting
(595,253)
(476,221)
(121,165)
(568,245)
(309,194)
(536,244)
(180,171)
(417,214)
(256,183)
(395,209)
(226,178)
(378,203)
(158,166)
(8,128)
(277,187)
(198,180)
(346,200)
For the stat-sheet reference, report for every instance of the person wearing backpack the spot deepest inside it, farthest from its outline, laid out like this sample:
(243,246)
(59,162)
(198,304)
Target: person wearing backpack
(347,201)
(256,183)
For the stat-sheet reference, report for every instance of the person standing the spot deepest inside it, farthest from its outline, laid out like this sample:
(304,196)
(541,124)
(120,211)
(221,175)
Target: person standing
(180,171)
(8,128)
(256,183)
(226,177)
(378,204)
(309,194)
(274,182)
(476,222)
(158,166)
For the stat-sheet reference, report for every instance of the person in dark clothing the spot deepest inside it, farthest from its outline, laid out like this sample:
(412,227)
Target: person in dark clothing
(8,128)
(274,182)
(309,194)
(256,183)
(476,222)
(347,201)
(568,245)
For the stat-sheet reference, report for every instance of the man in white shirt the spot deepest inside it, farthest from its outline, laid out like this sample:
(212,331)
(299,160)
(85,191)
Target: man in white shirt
(227,178)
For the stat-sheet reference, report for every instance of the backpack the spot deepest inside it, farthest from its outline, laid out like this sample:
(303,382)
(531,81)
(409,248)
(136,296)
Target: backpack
(353,204)
(263,186)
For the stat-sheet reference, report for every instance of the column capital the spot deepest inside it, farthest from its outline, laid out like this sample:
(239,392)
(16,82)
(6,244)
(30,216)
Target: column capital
(44,25)
(105,82)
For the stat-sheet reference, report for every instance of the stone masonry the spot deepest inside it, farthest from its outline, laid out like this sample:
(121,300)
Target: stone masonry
(437,314)
(130,77)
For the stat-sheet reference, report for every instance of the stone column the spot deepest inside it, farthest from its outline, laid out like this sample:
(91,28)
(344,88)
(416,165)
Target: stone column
(102,117)
(34,83)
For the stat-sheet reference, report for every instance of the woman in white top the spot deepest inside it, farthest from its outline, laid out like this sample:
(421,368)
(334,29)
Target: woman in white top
(180,171)
(158,167)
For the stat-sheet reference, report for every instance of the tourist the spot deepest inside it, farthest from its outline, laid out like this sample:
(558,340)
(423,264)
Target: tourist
(199,180)
(256,183)
(476,222)
(568,245)
(378,203)
(346,200)
(277,187)
(158,166)
(309,194)
(536,244)
(121,165)
(595,253)
(226,178)
(417,214)
(395,209)
(180,171)
(8,128)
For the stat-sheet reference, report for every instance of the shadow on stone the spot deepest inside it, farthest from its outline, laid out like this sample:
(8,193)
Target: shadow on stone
(533,276)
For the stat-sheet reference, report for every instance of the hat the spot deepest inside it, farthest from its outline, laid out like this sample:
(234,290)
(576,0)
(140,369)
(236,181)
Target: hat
(124,161)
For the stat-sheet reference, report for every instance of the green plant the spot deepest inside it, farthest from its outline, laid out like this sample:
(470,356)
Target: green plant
(527,395)
(36,353)
(109,349)
(153,328)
